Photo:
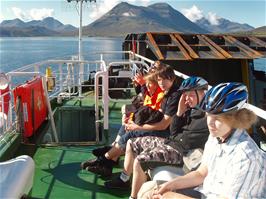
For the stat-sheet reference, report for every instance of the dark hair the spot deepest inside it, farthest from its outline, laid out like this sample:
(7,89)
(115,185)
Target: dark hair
(166,72)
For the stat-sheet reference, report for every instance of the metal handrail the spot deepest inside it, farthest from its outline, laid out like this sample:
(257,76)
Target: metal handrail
(133,59)
(258,111)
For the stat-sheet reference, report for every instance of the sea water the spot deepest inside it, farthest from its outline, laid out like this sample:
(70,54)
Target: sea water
(260,64)
(16,52)
(21,51)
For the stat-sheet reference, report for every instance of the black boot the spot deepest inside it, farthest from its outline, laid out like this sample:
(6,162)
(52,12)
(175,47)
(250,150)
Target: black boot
(101,150)
(91,162)
(117,183)
(104,167)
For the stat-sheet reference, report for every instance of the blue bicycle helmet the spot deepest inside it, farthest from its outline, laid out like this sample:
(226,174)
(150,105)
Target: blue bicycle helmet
(224,97)
(193,83)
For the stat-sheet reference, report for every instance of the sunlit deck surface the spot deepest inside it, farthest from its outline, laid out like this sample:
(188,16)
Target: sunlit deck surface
(58,173)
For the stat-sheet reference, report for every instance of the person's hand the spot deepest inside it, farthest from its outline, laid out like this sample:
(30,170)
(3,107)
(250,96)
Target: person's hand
(161,189)
(126,119)
(182,105)
(157,196)
(131,126)
(139,78)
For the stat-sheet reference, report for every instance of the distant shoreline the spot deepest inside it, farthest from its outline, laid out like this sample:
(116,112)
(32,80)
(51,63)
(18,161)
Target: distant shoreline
(115,37)
(258,34)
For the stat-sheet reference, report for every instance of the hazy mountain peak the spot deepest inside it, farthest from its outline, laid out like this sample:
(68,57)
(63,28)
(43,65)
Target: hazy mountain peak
(223,25)
(52,22)
(49,19)
(160,6)
(17,20)
(123,5)
(13,22)
(122,9)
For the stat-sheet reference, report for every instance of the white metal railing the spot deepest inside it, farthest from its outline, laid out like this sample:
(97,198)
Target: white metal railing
(68,75)
(105,91)
(8,123)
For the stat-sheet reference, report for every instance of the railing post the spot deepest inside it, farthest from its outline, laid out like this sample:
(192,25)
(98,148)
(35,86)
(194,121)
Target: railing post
(80,79)
(105,94)
(50,113)
(96,87)
(61,77)
(36,68)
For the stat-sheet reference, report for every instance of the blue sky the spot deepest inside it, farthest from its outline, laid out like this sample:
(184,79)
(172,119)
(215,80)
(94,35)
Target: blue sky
(252,12)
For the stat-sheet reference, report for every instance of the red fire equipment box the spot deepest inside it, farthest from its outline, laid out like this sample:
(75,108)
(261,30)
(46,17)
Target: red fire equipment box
(30,105)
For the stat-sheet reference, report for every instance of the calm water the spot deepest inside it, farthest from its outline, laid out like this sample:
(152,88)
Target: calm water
(17,52)
(260,64)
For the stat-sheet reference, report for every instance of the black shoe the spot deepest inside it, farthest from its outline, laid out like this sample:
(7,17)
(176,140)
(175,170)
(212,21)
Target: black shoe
(116,163)
(100,170)
(117,183)
(92,162)
(101,151)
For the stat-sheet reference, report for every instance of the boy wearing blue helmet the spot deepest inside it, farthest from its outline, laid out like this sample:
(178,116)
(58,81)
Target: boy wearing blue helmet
(232,166)
(188,131)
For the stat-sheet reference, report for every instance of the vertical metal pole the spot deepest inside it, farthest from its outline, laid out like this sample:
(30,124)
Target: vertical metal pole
(81,65)
(105,94)
(61,77)
(50,112)
(96,87)
(80,30)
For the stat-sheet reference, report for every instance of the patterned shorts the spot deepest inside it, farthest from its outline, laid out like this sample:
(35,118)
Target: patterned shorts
(152,149)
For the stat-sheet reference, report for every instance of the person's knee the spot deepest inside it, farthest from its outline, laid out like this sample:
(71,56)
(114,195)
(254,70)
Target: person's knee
(118,149)
(147,189)
(121,144)
(136,164)
(122,130)
(128,149)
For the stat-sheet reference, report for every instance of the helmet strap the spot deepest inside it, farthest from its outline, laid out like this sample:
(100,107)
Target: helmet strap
(220,141)
(197,96)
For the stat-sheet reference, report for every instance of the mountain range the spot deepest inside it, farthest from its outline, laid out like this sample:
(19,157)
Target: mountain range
(46,27)
(224,25)
(122,19)
(125,18)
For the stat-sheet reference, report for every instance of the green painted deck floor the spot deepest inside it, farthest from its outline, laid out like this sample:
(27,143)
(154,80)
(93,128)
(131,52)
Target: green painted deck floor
(58,173)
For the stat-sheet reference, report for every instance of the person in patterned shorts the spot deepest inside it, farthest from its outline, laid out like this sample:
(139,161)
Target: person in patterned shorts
(188,130)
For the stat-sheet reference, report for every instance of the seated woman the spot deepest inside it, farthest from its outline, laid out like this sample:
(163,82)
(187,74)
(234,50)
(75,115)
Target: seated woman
(233,166)
(167,81)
